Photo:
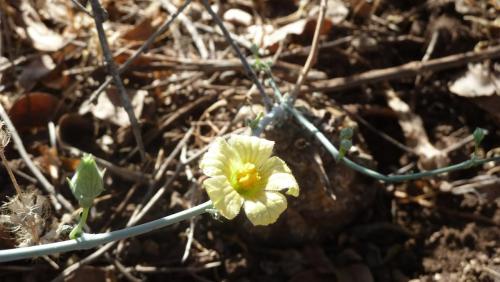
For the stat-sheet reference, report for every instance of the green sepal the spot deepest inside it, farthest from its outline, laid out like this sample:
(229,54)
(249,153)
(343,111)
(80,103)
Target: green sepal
(87,182)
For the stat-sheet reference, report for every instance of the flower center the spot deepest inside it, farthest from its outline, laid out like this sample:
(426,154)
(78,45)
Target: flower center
(247,176)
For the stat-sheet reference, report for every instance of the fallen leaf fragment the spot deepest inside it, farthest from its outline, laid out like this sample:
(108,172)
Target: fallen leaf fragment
(37,69)
(477,81)
(49,161)
(109,107)
(336,11)
(77,131)
(268,36)
(237,16)
(33,110)
(42,37)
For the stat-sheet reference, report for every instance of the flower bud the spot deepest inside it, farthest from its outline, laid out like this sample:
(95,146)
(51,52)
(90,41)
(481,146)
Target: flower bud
(87,183)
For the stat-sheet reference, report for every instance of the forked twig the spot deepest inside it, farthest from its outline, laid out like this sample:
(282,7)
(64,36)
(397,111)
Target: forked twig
(99,18)
(82,8)
(164,27)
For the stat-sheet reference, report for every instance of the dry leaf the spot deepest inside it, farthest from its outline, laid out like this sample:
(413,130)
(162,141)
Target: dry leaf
(481,86)
(141,31)
(237,16)
(37,69)
(49,161)
(56,10)
(267,36)
(336,11)
(77,131)
(147,25)
(42,37)
(109,107)
(33,110)
(364,9)
(477,81)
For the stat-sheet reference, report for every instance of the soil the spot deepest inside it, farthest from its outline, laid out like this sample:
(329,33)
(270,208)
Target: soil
(345,226)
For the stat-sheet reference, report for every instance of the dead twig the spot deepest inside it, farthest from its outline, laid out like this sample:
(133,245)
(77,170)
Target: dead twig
(4,141)
(250,72)
(99,18)
(90,258)
(311,59)
(409,69)
(57,199)
(121,206)
(164,123)
(120,267)
(415,134)
(164,27)
(378,132)
(212,65)
(191,194)
(198,42)
(154,269)
(82,8)
(428,53)
(122,172)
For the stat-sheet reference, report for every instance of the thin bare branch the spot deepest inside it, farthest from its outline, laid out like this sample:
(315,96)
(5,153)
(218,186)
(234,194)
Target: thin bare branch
(164,27)
(82,8)
(250,72)
(57,199)
(406,70)
(99,18)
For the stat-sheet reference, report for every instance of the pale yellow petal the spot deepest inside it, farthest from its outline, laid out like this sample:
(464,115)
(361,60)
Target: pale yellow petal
(224,198)
(265,208)
(279,177)
(219,159)
(251,149)
(283,181)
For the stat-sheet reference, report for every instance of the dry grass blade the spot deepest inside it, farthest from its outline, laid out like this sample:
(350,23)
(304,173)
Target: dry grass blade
(311,59)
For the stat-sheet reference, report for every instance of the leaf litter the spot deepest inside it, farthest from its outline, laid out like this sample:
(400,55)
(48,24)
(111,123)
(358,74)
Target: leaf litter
(51,62)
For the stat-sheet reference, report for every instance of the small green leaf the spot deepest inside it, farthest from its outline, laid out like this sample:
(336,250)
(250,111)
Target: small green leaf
(255,122)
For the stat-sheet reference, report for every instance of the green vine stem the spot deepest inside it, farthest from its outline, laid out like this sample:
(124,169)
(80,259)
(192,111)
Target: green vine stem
(77,230)
(87,241)
(372,173)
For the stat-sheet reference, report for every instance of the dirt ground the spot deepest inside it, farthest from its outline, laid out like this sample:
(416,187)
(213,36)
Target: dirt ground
(414,79)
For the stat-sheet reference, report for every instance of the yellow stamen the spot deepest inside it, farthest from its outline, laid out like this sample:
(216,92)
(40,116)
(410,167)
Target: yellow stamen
(247,176)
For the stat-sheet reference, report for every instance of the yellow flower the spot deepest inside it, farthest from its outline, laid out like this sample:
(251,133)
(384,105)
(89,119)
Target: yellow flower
(242,173)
